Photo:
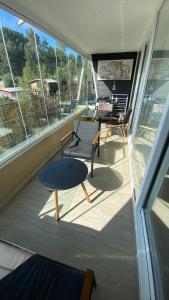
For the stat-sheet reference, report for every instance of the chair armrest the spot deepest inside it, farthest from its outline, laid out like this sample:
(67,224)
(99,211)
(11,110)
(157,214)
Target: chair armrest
(66,136)
(88,283)
(94,141)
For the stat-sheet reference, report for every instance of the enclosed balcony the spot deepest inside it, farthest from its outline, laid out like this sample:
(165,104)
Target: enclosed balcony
(63,65)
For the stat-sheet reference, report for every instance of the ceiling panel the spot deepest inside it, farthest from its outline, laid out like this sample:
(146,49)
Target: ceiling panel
(93,26)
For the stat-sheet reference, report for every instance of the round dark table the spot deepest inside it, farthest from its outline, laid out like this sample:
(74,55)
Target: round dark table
(63,174)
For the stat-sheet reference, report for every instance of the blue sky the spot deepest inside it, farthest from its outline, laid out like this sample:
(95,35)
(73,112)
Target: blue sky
(11,21)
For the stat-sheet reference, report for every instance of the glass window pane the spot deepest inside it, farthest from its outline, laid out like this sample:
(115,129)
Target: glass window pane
(80,79)
(91,87)
(39,82)
(83,99)
(12,127)
(85,82)
(63,74)
(155,97)
(159,237)
(47,58)
(72,60)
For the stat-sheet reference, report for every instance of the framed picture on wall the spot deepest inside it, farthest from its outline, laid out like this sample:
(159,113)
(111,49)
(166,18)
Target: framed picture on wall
(115,69)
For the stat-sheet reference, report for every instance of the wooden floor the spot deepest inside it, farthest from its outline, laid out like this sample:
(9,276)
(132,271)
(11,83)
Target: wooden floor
(98,235)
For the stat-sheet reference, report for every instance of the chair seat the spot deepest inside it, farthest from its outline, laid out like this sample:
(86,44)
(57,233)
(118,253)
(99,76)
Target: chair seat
(82,150)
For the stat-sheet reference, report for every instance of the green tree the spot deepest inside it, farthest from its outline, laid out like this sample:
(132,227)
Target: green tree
(62,65)
(31,64)
(7,80)
(73,75)
(15,43)
(47,59)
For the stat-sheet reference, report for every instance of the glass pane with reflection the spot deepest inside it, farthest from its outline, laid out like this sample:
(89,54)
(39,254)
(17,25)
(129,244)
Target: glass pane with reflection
(63,75)
(12,127)
(91,88)
(47,59)
(159,237)
(73,79)
(155,98)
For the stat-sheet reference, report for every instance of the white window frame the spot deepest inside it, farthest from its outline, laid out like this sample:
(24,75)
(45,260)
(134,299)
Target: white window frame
(145,271)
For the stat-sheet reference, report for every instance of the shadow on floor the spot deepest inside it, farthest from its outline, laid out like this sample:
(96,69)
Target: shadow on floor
(106,179)
(98,235)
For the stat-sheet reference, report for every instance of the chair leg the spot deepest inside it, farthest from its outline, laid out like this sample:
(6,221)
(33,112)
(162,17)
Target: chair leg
(56,204)
(124,134)
(107,135)
(98,150)
(110,132)
(92,159)
(91,168)
(121,132)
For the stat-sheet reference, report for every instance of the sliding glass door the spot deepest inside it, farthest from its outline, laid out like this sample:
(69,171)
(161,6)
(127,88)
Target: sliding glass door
(150,167)
(141,75)
(154,100)
(157,221)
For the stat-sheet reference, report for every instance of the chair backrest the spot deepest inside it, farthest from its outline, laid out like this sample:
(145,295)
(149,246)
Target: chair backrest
(127,116)
(105,106)
(85,130)
(120,102)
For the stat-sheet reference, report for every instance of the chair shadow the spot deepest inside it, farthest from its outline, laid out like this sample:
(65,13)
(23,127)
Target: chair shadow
(105,179)
(100,182)
(108,152)
(79,203)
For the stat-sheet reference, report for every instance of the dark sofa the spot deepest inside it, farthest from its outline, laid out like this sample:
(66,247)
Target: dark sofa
(28,276)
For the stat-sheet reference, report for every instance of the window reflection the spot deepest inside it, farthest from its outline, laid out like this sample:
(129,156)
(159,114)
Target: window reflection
(154,100)
(49,81)
(160,234)
(12,129)
(91,90)
(41,82)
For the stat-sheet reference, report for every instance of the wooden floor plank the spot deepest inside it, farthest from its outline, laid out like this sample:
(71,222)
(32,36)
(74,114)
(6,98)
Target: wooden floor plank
(98,235)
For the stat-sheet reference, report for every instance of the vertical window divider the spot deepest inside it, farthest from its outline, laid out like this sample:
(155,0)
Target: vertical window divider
(83,80)
(80,83)
(69,77)
(43,92)
(87,82)
(58,79)
(77,77)
(94,80)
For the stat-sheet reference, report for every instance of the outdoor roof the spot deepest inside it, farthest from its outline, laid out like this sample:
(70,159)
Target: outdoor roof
(11,89)
(94,26)
(45,80)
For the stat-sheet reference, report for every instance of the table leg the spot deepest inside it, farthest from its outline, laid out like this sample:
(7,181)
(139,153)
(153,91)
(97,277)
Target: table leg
(56,204)
(85,192)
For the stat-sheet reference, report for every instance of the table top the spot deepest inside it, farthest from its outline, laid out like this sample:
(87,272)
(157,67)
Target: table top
(63,174)
(98,114)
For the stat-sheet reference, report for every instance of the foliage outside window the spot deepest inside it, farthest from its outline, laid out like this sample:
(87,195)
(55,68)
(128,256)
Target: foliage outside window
(40,82)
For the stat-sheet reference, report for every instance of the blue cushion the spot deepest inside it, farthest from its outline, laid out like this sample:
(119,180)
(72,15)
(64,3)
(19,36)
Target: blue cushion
(40,278)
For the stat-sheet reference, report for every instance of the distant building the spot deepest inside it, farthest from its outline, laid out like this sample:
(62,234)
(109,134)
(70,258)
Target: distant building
(10,91)
(50,86)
